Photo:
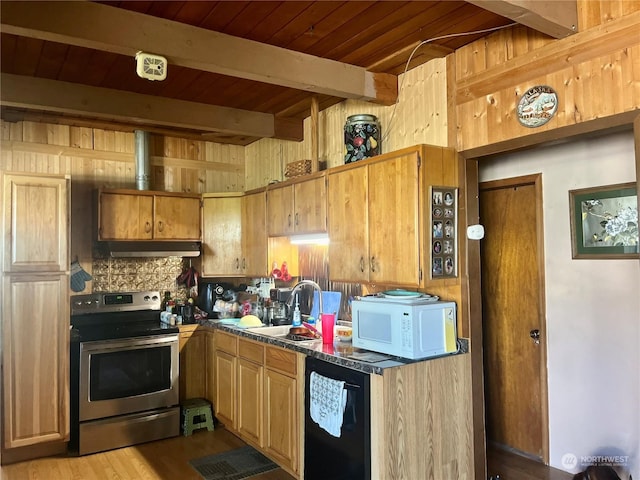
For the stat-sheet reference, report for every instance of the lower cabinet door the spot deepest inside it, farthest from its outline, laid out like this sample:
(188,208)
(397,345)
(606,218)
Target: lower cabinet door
(250,400)
(225,368)
(193,374)
(281,424)
(35,358)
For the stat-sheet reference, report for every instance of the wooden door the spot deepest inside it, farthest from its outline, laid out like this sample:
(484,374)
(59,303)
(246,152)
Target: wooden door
(513,307)
(125,216)
(394,237)
(281,410)
(225,401)
(35,358)
(254,237)
(35,223)
(193,372)
(311,206)
(176,218)
(280,211)
(221,236)
(348,225)
(250,400)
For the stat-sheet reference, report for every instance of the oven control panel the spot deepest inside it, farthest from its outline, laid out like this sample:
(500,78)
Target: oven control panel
(115,302)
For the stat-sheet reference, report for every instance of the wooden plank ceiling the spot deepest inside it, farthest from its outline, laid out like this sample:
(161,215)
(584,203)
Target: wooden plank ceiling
(243,91)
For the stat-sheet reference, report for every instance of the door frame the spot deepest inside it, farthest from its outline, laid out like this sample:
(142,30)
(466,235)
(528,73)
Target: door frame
(536,181)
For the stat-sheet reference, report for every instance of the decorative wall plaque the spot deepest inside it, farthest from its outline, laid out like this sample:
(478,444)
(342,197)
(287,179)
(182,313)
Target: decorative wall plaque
(537,106)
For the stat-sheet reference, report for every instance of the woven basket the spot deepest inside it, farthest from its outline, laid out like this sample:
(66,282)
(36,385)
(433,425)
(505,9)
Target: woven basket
(295,169)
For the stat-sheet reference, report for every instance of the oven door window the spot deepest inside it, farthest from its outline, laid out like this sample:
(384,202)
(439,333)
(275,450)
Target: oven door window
(129,373)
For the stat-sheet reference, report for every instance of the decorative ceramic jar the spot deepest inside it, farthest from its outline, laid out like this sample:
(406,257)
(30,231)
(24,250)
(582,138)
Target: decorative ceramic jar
(361,137)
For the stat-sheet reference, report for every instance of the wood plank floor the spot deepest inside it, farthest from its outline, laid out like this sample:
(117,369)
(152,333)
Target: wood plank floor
(162,460)
(168,460)
(511,466)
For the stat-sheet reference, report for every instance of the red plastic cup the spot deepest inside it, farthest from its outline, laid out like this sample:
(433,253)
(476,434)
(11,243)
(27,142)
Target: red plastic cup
(328,320)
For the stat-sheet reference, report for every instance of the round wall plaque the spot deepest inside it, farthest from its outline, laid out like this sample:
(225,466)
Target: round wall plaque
(537,106)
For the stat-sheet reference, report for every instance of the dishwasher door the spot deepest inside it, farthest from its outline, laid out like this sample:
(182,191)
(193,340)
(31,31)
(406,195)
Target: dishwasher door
(347,457)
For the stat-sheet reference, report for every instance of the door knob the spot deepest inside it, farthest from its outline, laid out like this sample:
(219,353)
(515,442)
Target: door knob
(535,334)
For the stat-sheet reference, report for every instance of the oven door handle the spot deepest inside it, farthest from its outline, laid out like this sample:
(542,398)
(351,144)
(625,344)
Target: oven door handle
(127,344)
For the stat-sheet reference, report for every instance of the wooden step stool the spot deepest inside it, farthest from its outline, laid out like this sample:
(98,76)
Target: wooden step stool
(196,413)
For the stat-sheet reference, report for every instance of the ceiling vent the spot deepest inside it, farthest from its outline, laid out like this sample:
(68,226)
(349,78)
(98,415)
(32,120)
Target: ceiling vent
(151,67)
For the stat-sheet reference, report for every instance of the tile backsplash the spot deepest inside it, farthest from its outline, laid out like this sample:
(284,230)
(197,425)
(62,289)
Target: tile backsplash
(138,274)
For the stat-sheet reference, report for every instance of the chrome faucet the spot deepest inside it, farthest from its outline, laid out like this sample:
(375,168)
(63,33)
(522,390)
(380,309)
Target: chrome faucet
(299,286)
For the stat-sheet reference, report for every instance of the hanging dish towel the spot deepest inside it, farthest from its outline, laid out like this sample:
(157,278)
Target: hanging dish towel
(327,398)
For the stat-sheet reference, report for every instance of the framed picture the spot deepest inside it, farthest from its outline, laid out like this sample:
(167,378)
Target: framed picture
(604,221)
(444,237)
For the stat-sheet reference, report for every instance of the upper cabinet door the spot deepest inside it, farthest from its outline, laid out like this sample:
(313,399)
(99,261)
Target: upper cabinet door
(36,223)
(177,218)
(123,216)
(280,202)
(348,225)
(394,228)
(310,215)
(254,235)
(221,236)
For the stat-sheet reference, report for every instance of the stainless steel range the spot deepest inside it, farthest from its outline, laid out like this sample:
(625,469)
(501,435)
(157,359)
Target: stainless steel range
(124,372)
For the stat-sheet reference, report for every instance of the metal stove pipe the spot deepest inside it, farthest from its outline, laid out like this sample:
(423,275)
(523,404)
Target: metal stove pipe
(142,160)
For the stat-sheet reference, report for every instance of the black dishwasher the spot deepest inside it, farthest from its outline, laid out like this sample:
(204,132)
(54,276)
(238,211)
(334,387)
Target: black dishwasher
(348,456)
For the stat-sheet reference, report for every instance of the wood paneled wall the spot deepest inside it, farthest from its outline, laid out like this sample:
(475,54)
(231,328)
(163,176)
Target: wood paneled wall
(103,158)
(420,116)
(594,73)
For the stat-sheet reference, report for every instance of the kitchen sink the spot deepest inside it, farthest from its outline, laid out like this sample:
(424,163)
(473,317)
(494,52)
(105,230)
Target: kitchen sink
(275,331)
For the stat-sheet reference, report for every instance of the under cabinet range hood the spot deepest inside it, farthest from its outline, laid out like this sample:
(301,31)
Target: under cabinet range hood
(153,249)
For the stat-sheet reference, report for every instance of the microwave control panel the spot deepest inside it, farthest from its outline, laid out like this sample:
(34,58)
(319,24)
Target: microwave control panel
(407,332)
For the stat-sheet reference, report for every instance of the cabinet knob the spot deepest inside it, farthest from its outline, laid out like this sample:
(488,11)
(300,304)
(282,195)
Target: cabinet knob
(372,263)
(160,225)
(289,220)
(297,223)
(362,264)
(237,263)
(147,227)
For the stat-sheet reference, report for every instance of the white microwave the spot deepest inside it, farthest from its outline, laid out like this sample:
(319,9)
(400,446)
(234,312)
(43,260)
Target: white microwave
(409,328)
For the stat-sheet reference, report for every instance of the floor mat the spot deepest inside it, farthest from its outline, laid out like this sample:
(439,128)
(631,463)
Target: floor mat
(235,464)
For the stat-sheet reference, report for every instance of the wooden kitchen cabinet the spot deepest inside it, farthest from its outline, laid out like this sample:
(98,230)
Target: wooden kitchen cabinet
(193,372)
(222,235)
(35,314)
(254,235)
(210,363)
(35,210)
(35,358)
(283,379)
(250,390)
(297,208)
(258,392)
(374,222)
(377,221)
(225,364)
(148,215)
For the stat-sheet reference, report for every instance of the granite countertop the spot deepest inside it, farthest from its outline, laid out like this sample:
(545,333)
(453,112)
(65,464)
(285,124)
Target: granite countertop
(339,353)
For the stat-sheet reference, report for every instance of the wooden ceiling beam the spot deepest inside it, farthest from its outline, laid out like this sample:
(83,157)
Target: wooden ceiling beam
(102,27)
(556,18)
(134,108)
